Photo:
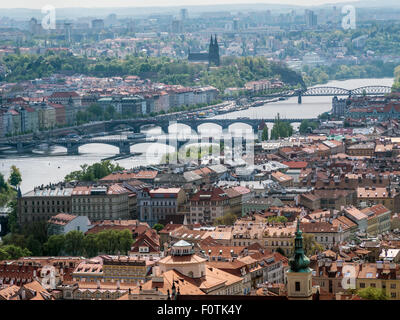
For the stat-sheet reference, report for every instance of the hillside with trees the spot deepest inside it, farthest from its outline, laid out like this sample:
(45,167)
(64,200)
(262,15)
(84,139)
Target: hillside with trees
(234,72)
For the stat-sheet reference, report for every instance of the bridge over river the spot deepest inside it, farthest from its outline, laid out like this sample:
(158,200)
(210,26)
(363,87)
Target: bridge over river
(72,145)
(324,91)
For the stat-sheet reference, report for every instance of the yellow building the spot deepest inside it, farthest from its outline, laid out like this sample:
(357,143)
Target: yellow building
(378,219)
(388,197)
(381,276)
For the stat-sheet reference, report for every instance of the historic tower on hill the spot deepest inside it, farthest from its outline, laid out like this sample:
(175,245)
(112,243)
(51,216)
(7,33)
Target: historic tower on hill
(213,52)
(212,57)
(299,276)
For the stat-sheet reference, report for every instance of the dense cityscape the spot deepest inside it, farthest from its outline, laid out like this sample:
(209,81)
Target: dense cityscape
(189,153)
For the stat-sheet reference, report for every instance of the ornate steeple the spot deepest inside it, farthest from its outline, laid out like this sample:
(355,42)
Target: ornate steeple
(299,262)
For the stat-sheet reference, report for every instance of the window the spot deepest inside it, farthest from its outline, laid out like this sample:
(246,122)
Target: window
(297,286)
(393,294)
(362,285)
(393,286)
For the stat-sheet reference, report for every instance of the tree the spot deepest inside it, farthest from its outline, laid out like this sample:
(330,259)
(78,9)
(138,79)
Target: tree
(55,245)
(279,219)
(125,241)
(281,129)
(324,116)
(38,229)
(108,241)
(311,247)
(15,239)
(4,255)
(74,241)
(34,246)
(306,125)
(13,224)
(7,193)
(15,176)
(93,172)
(371,293)
(227,220)
(3,184)
(16,252)
(158,227)
(90,244)
(264,136)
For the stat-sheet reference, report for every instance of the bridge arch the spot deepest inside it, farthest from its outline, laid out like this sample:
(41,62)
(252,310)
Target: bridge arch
(240,128)
(371,90)
(209,128)
(122,126)
(326,91)
(93,145)
(180,129)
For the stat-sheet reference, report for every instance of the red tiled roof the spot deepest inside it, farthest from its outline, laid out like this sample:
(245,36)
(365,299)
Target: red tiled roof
(64,94)
(295,164)
(62,219)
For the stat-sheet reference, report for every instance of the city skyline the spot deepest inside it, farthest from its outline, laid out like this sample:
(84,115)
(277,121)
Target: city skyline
(23,4)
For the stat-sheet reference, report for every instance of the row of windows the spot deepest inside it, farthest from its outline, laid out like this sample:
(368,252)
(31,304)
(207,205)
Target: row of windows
(278,243)
(88,200)
(208,203)
(48,210)
(326,239)
(38,203)
(201,209)
(373,285)
(89,208)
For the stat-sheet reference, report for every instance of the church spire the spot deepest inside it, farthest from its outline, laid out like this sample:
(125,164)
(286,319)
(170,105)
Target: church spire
(299,262)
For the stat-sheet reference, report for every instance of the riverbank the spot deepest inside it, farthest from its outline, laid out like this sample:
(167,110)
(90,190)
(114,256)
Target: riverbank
(53,167)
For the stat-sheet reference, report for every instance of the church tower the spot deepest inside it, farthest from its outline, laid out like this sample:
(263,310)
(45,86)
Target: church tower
(213,53)
(216,48)
(299,276)
(211,48)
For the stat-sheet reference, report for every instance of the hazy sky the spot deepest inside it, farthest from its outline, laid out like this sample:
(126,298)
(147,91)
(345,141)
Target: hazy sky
(37,4)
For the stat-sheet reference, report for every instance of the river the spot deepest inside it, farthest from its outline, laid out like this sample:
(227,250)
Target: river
(45,166)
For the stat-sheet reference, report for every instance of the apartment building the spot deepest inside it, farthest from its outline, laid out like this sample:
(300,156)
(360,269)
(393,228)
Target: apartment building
(42,203)
(206,205)
(101,202)
(159,205)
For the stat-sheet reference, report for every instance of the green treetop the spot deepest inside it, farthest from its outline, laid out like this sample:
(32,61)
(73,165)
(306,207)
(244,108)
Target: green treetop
(15,176)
